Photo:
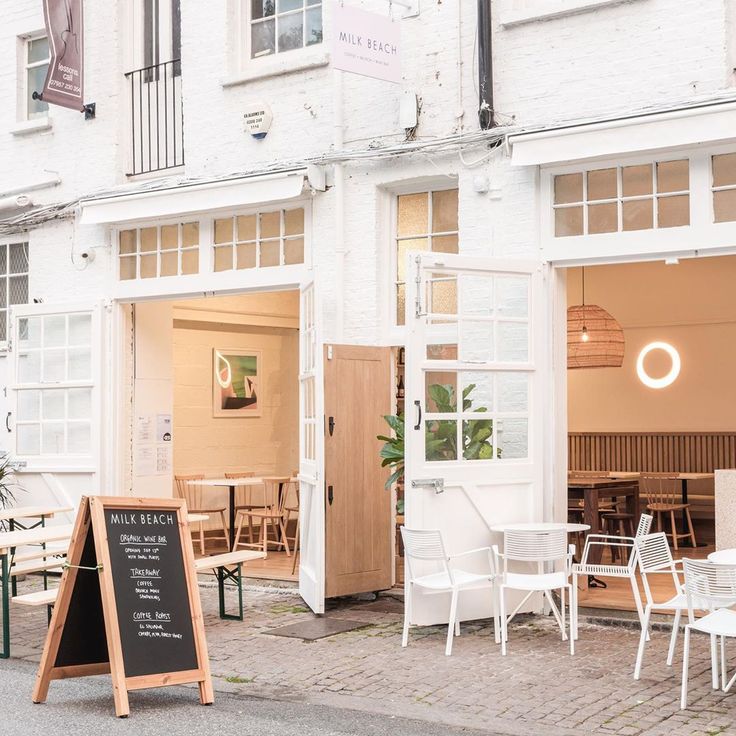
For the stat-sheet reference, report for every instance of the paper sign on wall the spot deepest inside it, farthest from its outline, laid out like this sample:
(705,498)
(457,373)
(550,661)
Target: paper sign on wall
(366,43)
(163,428)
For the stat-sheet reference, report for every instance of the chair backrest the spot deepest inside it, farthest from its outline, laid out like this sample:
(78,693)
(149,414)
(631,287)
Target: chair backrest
(425,545)
(645,525)
(243,494)
(535,545)
(274,499)
(708,585)
(240,474)
(662,488)
(192,493)
(654,555)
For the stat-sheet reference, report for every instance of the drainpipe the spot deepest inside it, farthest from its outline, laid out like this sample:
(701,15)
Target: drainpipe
(485,66)
(338,141)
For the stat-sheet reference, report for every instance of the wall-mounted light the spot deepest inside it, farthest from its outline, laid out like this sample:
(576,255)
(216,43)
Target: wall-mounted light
(674,371)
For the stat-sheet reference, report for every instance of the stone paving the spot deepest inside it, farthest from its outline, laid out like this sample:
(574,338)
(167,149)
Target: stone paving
(538,688)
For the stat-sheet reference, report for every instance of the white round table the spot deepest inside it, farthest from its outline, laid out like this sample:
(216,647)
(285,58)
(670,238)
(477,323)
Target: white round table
(723,557)
(541,526)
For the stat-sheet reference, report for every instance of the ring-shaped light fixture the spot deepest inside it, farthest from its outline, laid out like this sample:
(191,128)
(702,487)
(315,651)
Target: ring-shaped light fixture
(665,381)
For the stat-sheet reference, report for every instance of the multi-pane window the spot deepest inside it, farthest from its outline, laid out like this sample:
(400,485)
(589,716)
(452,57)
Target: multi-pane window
(54,385)
(479,410)
(259,240)
(283,25)
(424,221)
(13,280)
(159,250)
(622,198)
(36,64)
(724,187)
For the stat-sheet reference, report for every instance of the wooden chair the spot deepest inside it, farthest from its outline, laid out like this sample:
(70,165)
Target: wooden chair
(193,494)
(663,494)
(575,506)
(289,510)
(272,515)
(247,495)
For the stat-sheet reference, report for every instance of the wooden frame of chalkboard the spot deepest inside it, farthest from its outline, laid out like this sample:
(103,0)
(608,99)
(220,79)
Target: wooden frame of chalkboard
(128,601)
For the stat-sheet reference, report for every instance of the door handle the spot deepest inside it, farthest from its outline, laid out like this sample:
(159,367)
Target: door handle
(418,405)
(330,495)
(7,421)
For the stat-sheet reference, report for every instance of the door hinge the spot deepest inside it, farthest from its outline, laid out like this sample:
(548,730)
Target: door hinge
(329,352)
(418,298)
(331,425)
(437,483)
(330,495)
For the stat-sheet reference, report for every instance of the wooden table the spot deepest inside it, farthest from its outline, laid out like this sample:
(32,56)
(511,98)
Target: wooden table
(13,514)
(592,490)
(684,478)
(9,541)
(231,484)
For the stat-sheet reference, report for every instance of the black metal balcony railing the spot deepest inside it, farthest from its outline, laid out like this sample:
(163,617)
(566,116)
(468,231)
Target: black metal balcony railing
(156,116)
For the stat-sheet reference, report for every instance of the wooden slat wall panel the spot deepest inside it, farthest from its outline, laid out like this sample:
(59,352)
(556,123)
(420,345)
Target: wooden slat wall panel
(683,452)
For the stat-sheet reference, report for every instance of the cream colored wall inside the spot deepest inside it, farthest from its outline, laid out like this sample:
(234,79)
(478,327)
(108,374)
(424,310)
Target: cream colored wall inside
(268,444)
(692,306)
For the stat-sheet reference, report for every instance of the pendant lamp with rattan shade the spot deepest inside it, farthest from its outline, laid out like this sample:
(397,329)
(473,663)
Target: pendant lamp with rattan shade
(594,338)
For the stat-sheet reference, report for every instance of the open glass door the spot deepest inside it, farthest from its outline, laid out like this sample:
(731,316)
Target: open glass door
(55,417)
(474,415)
(311,455)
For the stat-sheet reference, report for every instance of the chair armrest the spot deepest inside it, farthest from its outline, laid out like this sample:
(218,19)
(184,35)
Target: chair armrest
(604,540)
(471,552)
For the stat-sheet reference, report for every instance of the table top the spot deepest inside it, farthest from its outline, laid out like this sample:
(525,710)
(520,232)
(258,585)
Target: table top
(723,557)
(230,482)
(26,512)
(679,476)
(34,536)
(540,526)
(575,482)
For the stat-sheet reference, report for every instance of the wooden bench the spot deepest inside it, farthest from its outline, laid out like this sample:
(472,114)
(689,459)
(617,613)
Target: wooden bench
(39,598)
(228,566)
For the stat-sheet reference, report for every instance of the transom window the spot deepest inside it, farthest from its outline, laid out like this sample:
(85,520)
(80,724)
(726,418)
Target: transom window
(622,198)
(424,221)
(724,187)
(13,280)
(283,25)
(36,63)
(163,250)
(54,385)
(259,240)
(480,410)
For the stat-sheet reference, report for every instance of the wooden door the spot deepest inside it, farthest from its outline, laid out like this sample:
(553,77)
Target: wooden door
(359,517)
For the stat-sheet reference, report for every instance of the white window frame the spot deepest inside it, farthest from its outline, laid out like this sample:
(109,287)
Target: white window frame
(398,331)
(702,234)
(24,66)
(6,242)
(208,279)
(84,463)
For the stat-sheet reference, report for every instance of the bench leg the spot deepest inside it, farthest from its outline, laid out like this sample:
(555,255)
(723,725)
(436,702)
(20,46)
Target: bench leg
(236,575)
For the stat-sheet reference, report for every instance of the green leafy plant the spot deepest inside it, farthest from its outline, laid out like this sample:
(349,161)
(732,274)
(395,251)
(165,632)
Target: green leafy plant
(8,485)
(392,451)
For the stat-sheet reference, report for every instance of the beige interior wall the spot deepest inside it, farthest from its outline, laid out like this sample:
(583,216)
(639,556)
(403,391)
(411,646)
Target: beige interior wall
(692,306)
(267,445)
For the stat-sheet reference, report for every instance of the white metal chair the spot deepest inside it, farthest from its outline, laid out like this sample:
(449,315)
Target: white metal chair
(426,545)
(543,547)
(627,570)
(709,586)
(655,558)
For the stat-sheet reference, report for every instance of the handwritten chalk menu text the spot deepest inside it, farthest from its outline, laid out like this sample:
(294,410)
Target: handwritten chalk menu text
(151,595)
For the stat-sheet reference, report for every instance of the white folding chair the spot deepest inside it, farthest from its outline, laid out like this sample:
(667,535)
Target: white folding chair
(709,586)
(594,541)
(426,546)
(542,547)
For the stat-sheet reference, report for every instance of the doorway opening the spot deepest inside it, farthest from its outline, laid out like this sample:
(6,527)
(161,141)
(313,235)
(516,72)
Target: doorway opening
(665,411)
(223,371)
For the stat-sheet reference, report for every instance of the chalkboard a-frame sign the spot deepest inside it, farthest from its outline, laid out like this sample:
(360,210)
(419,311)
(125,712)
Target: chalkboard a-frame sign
(128,602)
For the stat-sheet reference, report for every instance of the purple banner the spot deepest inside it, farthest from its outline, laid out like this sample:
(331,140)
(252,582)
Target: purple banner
(64,83)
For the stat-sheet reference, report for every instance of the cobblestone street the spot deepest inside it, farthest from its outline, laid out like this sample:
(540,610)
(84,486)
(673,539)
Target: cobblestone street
(537,689)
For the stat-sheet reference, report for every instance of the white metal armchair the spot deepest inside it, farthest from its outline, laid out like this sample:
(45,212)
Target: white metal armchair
(712,587)
(426,545)
(543,547)
(596,542)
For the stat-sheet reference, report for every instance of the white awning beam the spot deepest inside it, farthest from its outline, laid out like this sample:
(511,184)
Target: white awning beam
(682,128)
(190,198)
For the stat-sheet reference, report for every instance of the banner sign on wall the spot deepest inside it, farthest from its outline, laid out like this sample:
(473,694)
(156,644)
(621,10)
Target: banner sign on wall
(366,43)
(64,83)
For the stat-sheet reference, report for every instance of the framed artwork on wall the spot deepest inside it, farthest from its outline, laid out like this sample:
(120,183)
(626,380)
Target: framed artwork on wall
(236,383)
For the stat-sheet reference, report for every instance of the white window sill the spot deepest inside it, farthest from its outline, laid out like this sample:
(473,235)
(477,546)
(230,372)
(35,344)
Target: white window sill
(26,127)
(285,63)
(536,10)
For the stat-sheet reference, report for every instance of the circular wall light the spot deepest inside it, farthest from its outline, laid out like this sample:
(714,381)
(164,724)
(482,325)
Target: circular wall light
(665,381)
